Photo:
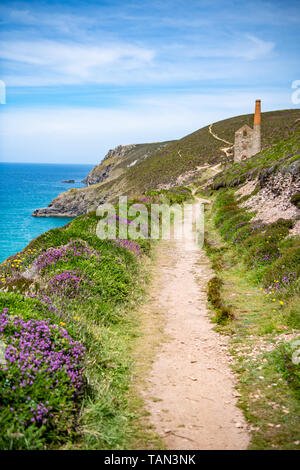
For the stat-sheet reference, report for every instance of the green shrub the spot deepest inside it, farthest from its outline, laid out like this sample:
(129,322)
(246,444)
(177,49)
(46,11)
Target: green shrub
(223,312)
(294,318)
(264,247)
(295,199)
(283,360)
(286,270)
(232,224)
(40,378)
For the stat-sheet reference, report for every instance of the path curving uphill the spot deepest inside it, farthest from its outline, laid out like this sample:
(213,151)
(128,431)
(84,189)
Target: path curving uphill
(226,150)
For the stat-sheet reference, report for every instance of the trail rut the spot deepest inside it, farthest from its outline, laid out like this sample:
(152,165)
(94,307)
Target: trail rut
(226,150)
(191,394)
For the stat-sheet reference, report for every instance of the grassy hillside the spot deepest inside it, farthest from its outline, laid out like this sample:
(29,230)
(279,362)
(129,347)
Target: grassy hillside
(118,160)
(275,126)
(200,148)
(271,159)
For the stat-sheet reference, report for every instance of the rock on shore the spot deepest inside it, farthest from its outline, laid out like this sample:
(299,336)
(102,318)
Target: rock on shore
(72,203)
(102,182)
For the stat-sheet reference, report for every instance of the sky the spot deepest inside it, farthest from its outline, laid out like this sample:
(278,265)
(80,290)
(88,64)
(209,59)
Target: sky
(82,77)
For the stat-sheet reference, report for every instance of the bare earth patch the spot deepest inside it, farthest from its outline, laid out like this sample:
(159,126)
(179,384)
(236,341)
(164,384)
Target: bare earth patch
(191,394)
(247,188)
(270,209)
(273,201)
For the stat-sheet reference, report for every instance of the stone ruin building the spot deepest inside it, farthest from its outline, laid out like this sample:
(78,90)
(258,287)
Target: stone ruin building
(247,141)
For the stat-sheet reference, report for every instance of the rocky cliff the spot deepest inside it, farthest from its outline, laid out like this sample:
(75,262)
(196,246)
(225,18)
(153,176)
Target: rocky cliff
(112,159)
(102,181)
(74,202)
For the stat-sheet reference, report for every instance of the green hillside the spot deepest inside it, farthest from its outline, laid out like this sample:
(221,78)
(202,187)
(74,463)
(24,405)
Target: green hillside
(118,160)
(282,154)
(275,125)
(201,147)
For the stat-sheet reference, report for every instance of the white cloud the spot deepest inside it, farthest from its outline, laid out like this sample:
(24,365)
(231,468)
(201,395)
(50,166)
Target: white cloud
(50,62)
(84,135)
(60,22)
(69,62)
(257,49)
(247,47)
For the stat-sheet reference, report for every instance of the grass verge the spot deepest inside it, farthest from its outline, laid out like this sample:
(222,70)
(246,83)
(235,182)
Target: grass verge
(264,330)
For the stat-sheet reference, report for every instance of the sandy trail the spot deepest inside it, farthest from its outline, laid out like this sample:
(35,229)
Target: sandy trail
(226,150)
(190,394)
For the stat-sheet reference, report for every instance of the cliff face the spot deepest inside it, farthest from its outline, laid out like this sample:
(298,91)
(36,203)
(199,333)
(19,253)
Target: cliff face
(112,159)
(102,181)
(74,202)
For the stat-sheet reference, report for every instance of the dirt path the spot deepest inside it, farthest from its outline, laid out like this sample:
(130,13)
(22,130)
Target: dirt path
(190,395)
(226,150)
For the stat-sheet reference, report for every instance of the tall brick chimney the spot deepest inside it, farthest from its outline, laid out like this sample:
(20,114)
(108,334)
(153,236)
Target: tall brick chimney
(256,128)
(257,115)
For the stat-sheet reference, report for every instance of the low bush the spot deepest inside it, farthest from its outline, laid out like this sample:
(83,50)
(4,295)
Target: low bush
(295,199)
(284,362)
(175,195)
(285,272)
(265,248)
(41,375)
(223,312)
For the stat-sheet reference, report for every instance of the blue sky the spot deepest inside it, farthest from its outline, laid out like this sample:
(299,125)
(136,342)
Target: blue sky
(82,77)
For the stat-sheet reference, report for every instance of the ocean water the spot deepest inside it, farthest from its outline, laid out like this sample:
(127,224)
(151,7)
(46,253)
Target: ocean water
(25,187)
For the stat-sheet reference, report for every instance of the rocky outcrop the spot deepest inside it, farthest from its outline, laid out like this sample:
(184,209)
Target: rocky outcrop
(78,201)
(72,203)
(273,200)
(119,152)
(97,175)
(103,182)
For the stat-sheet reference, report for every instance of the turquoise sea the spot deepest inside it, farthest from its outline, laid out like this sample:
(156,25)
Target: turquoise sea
(28,186)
